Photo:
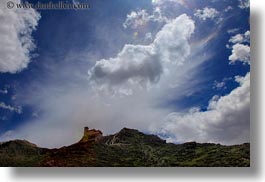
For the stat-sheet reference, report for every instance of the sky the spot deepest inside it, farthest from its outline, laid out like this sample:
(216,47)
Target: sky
(179,69)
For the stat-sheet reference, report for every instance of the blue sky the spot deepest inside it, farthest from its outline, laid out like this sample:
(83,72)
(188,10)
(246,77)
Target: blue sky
(176,68)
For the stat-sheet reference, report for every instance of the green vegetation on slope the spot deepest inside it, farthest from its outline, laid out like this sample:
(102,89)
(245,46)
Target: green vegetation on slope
(20,153)
(126,148)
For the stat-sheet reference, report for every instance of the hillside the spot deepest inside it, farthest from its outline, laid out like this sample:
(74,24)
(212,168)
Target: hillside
(128,147)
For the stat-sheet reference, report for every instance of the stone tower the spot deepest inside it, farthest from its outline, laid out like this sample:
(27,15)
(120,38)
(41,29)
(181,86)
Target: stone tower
(91,135)
(86,129)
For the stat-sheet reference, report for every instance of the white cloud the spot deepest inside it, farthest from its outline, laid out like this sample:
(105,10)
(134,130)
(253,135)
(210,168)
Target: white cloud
(237,39)
(222,84)
(208,13)
(135,19)
(228,8)
(226,121)
(241,80)
(233,30)
(219,85)
(243,4)
(4,91)
(143,65)
(247,36)
(11,108)
(134,64)
(148,36)
(141,18)
(16,26)
(240,52)
(240,38)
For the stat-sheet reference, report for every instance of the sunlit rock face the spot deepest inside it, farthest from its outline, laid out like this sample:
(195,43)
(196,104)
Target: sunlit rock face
(91,135)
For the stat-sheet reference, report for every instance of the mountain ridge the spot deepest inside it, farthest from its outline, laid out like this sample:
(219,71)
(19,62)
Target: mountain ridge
(126,148)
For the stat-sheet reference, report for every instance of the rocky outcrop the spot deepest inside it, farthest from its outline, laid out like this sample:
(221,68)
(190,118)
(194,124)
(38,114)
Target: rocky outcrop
(91,135)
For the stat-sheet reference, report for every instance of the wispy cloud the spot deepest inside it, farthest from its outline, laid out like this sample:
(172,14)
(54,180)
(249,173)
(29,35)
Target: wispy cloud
(17,109)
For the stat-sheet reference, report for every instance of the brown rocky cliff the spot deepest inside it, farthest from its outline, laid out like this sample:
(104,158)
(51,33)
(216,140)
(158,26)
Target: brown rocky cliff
(91,135)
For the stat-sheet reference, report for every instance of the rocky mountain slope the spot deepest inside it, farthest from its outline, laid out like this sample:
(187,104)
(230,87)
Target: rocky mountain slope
(128,147)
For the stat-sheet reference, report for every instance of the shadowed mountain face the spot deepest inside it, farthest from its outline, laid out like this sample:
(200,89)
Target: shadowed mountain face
(128,147)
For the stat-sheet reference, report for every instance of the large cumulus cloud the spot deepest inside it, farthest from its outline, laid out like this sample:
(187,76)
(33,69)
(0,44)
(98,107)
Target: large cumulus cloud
(143,65)
(226,120)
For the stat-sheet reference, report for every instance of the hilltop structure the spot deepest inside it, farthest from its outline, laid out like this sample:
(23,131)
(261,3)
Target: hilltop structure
(91,135)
